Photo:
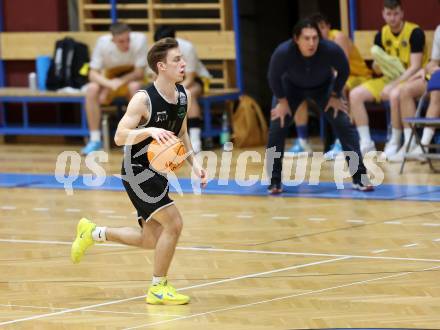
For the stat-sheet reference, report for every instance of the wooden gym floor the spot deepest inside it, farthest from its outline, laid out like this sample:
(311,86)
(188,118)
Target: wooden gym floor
(247,262)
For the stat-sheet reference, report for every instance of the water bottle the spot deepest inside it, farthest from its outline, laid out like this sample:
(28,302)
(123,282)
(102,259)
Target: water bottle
(225,135)
(32,81)
(105,132)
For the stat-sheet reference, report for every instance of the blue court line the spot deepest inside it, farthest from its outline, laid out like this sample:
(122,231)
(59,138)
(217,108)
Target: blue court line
(303,190)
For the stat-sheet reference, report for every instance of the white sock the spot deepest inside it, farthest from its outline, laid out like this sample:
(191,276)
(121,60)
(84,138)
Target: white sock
(195,132)
(158,279)
(194,136)
(364,134)
(396,136)
(99,235)
(427,136)
(95,136)
(407,134)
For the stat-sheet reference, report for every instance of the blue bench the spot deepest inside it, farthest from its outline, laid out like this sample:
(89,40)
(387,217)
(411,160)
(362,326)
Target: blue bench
(25,96)
(211,46)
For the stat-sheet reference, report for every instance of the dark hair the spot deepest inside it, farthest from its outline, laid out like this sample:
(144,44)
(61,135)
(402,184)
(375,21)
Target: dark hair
(392,4)
(119,28)
(159,52)
(319,17)
(164,31)
(305,23)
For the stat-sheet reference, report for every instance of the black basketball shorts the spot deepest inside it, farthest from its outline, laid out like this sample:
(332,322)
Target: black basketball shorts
(148,196)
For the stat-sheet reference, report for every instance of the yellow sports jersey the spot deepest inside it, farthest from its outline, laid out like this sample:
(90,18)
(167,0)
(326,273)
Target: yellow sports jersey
(399,46)
(356,62)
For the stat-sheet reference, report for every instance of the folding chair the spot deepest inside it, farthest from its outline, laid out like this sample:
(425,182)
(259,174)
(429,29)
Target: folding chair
(417,121)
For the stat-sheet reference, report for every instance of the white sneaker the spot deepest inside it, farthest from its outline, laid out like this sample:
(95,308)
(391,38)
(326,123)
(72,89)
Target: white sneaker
(415,153)
(367,147)
(391,149)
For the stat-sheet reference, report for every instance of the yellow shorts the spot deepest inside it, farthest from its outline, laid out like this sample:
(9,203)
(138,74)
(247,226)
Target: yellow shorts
(123,90)
(354,81)
(120,92)
(375,86)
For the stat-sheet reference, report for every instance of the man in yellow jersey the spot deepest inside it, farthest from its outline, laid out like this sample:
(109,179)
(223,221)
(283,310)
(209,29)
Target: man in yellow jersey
(413,89)
(359,73)
(405,41)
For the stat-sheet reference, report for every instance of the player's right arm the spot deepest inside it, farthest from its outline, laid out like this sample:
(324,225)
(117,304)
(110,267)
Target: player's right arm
(127,132)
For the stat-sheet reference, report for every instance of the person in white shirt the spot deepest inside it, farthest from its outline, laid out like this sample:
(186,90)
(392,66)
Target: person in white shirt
(196,77)
(117,69)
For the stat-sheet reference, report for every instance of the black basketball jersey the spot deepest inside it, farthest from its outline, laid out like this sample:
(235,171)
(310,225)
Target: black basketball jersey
(162,115)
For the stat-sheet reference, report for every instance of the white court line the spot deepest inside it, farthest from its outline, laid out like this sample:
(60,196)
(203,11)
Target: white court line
(410,245)
(28,241)
(40,209)
(35,317)
(436,240)
(276,299)
(8,207)
(427,224)
(210,249)
(89,310)
(356,221)
(70,310)
(209,215)
(393,222)
(117,216)
(72,210)
(244,216)
(379,251)
(280,218)
(317,219)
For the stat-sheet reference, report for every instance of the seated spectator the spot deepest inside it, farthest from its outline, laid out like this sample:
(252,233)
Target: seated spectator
(402,40)
(413,89)
(117,69)
(359,72)
(196,81)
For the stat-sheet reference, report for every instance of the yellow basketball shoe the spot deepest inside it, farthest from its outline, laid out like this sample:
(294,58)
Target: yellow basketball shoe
(165,294)
(83,239)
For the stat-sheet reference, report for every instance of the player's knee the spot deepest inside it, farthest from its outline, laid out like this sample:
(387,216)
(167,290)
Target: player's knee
(435,98)
(148,243)
(405,92)
(356,95)
(177,226)
(394,95)
(92,90)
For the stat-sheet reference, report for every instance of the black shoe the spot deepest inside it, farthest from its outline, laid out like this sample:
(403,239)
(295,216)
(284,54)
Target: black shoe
(275,188)
(363,187)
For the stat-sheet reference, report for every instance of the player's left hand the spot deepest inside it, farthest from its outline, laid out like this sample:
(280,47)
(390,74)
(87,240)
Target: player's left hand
(201,173)
(338,104)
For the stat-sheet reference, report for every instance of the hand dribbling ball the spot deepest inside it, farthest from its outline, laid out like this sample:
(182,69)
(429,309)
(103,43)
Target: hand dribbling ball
(166,158)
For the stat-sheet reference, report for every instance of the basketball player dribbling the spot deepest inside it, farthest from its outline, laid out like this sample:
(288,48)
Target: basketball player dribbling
(157,113)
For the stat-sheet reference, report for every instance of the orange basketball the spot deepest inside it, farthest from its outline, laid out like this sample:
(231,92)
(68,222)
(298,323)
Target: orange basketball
(166,158)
